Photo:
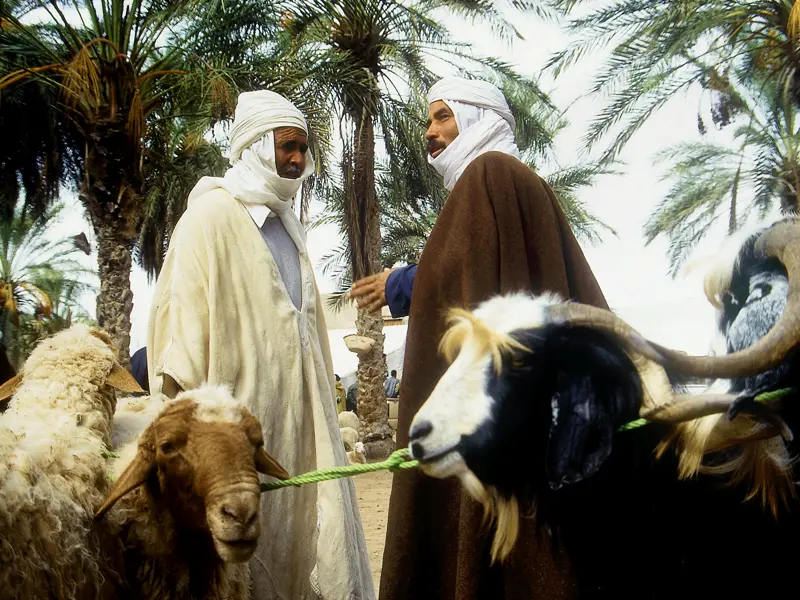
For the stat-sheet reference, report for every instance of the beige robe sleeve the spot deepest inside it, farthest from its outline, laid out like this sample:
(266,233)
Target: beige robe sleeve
(186,304)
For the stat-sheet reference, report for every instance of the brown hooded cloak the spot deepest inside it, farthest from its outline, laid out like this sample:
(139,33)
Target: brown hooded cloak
(501,230)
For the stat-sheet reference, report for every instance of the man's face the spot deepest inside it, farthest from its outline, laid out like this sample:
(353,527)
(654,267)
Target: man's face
(442,128)
(291,145)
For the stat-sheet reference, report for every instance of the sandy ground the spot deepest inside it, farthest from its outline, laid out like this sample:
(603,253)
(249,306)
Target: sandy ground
(373,491)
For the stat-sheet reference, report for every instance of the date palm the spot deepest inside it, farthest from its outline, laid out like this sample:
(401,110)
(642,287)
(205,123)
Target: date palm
(380,49)
(40,279)
(660,48)
(713,181)
(129,86)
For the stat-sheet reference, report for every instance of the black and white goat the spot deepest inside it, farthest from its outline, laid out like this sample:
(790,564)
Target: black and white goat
(528,413)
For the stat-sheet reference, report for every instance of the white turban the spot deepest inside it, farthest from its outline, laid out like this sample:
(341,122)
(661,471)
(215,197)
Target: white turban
(256,114)
(253,177)
(475,92)
(484,122)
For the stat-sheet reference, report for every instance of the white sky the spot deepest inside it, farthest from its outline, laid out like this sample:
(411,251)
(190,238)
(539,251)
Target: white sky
(633,277)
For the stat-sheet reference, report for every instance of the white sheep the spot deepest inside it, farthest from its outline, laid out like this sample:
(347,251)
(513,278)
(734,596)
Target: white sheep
(349,437)
(186,516)
(349,419)
(358,455)
(53,473)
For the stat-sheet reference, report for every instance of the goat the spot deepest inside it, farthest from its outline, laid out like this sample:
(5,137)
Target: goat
(526,414)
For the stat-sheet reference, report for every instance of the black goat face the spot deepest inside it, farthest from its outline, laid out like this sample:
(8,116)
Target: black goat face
(537,414)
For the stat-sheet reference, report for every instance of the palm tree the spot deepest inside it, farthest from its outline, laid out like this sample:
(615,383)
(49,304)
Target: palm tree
(709,178)
(168,179)
(661,47)
(40,279)
(34,154)
(121,74)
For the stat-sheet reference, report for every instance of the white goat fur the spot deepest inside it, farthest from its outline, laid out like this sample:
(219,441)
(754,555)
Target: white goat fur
(52,471)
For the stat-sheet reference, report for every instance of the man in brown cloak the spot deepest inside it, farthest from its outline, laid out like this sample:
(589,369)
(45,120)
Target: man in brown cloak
(501,230)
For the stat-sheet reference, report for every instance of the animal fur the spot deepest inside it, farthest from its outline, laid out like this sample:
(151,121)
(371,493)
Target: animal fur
(53,473)
(749,292)
(164,557)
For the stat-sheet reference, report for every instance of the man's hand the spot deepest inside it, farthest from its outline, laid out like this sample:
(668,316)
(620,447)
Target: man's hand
(370,292)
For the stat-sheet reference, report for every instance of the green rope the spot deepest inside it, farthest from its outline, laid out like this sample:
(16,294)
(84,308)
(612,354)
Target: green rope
(765,397)
(399,460)
(396,462)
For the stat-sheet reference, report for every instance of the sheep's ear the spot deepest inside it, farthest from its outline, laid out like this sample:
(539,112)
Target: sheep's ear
(133,476)
(9,387)
(122,380)
(269,466)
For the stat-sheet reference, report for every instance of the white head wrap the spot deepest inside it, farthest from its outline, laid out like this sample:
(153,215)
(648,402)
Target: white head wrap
(253,177)
(484,121)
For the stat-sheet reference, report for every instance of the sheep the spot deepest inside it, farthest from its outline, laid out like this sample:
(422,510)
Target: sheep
(349,437)
(187,495)
(357,456)
(349,419)
(52,469)
(59,537)
(527,417)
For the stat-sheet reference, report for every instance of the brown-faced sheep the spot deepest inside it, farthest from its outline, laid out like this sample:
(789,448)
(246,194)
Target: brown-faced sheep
(52,470)
(187,492)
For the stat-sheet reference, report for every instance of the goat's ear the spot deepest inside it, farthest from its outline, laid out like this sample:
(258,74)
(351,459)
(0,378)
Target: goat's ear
(269,466)
(122,380)
(133,476)
(581,433)
(9,387)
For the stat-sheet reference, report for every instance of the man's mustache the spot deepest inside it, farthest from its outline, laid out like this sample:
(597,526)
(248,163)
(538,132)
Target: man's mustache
(291,172)
(433,146)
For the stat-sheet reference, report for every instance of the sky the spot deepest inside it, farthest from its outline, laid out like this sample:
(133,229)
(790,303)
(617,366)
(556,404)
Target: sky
(634,277)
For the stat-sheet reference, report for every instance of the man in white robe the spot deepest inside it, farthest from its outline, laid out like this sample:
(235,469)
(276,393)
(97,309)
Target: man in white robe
(237,304)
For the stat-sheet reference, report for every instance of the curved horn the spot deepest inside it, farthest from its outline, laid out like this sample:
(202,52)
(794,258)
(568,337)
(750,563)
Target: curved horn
(781,241)
(683,408)
(603,320)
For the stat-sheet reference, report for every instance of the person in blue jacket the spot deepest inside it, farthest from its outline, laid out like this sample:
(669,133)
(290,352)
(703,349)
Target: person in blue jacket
(391,288)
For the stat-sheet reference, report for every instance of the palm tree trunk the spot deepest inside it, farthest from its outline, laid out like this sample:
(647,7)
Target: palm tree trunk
(115,300)
(111,186)
(366,251)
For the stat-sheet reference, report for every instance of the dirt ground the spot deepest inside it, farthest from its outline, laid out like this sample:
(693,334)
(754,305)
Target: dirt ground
(373,491)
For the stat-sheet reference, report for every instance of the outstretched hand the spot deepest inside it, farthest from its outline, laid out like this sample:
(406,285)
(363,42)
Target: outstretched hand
(370,292)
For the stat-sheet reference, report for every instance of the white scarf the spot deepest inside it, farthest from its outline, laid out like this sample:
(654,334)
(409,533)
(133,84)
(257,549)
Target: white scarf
(490,133)
(253,177)
(485,123)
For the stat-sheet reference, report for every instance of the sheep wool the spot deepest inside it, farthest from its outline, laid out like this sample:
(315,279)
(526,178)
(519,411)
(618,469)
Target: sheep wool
(53,473)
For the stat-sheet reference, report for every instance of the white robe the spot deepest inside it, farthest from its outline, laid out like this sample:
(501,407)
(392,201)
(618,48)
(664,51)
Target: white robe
(221,314)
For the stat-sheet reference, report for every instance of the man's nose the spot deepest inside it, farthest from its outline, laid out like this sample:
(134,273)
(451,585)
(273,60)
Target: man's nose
(430,134)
